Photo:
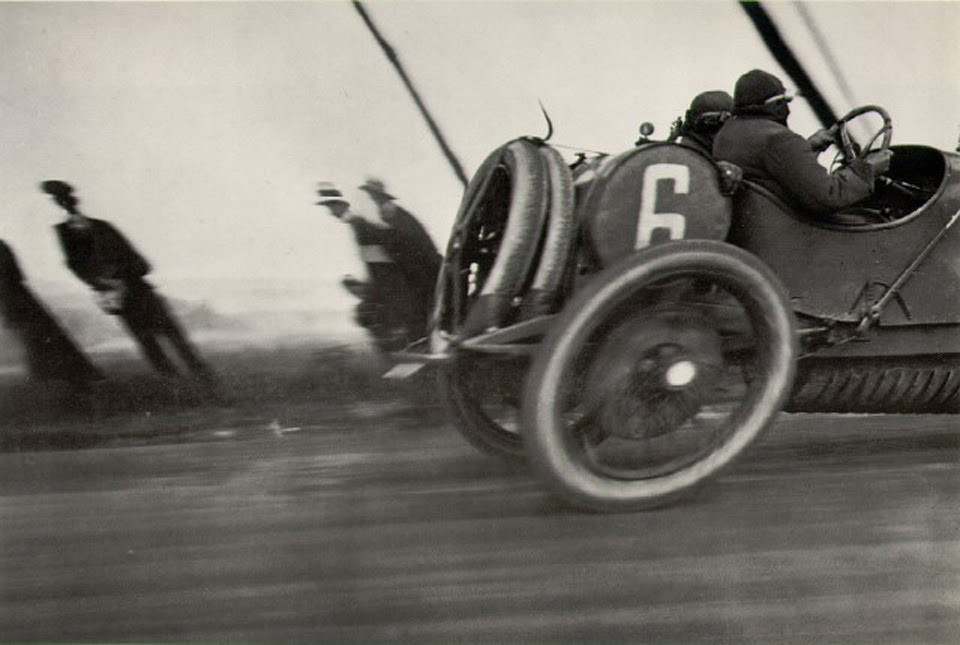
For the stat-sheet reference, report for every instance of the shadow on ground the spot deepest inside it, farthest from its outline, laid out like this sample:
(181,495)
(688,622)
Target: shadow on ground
(257,388)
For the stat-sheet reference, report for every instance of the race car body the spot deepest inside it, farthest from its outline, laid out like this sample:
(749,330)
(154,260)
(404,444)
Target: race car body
(651,312)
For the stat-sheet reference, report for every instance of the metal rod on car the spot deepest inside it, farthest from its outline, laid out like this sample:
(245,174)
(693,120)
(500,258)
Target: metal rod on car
(878,306)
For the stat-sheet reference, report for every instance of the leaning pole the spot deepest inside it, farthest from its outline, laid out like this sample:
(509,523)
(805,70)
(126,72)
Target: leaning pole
(391,55)
(781,51)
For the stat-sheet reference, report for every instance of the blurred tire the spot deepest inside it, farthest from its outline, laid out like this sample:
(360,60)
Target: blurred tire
(556,446)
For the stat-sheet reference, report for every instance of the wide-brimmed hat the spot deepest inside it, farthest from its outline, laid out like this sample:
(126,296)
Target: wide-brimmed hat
(376,187)
(756,87)
(56,187)
(329,194)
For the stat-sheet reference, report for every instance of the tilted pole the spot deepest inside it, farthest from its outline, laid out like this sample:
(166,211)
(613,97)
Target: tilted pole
(788,61)
(824,46)
(395,61)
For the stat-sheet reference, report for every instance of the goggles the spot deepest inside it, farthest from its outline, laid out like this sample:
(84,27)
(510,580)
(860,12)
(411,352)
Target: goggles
(711,119)
(780,99)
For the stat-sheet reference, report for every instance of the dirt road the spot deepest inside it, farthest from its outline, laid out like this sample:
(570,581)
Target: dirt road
(833,528)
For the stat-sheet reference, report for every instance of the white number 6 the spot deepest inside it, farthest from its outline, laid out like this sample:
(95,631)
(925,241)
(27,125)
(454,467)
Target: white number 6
(649,219)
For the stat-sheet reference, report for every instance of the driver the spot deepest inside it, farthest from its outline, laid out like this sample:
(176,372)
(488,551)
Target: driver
(757,139)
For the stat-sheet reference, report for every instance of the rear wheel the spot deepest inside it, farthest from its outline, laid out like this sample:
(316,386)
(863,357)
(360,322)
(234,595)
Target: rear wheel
(506,262)
(657,375)
(483,398)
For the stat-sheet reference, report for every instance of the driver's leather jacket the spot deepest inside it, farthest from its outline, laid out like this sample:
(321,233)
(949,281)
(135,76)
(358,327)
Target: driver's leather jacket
(782,161)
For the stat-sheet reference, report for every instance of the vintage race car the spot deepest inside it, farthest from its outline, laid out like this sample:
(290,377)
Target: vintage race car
(631,323)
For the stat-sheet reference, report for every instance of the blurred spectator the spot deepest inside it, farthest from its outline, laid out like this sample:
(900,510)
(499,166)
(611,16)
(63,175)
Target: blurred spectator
(411,248)
(50,354)
(390,307)
(100,256)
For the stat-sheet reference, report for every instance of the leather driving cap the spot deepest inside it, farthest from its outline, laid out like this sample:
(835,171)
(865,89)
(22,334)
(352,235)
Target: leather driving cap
(755,87)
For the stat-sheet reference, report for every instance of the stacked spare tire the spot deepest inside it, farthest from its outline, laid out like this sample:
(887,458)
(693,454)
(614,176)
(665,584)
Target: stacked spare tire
(511,244)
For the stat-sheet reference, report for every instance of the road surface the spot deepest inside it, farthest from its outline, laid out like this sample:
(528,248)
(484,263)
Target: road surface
(835,528)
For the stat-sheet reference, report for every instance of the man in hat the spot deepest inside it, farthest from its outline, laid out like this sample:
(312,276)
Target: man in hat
(387,307)
(49,352)
(411,247)
(99,255)
(703,120)
(757,139)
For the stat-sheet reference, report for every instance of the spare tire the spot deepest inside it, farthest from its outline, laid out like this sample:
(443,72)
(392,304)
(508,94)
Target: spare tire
(543,296)
(495,239)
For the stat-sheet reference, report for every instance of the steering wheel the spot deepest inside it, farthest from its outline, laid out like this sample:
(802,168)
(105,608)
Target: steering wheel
(849,149)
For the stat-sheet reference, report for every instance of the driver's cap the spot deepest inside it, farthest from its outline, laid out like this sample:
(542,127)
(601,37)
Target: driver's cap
(756,87)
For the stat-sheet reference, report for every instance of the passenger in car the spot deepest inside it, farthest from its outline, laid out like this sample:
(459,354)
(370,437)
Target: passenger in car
(703,120)
(757,139)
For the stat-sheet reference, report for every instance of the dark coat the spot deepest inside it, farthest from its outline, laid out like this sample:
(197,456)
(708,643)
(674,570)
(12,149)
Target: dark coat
(696,140)
(375,244)
(389,304)
(784,162)
(413,249)
(101,251)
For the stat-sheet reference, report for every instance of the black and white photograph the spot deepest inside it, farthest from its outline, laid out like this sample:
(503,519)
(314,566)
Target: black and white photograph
(480,321)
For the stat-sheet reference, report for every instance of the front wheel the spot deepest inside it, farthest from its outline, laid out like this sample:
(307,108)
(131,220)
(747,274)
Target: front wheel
(658,374)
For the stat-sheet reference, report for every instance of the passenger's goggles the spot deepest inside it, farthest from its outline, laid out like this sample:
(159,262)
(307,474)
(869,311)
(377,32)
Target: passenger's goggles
(711,119)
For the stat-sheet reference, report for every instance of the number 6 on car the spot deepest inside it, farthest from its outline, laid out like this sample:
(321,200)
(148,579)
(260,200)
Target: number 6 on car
(639,199)
(649,219)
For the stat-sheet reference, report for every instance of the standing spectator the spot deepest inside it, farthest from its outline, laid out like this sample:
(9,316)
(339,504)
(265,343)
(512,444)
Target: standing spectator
(412,248)
(100,256)
(50,354)
(388,304)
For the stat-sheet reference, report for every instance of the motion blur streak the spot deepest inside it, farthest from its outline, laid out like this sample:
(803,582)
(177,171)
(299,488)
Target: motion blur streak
(833,527)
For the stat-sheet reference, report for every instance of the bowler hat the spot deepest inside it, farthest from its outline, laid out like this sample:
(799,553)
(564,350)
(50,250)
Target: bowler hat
(376,187)
(755,87)
(56,187)
(329,194)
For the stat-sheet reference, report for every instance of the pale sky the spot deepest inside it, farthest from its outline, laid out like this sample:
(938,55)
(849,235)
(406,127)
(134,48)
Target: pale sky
(200,130)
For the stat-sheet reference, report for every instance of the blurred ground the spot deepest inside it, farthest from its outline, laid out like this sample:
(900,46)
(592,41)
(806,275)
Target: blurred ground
(294,382)
(315,501)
